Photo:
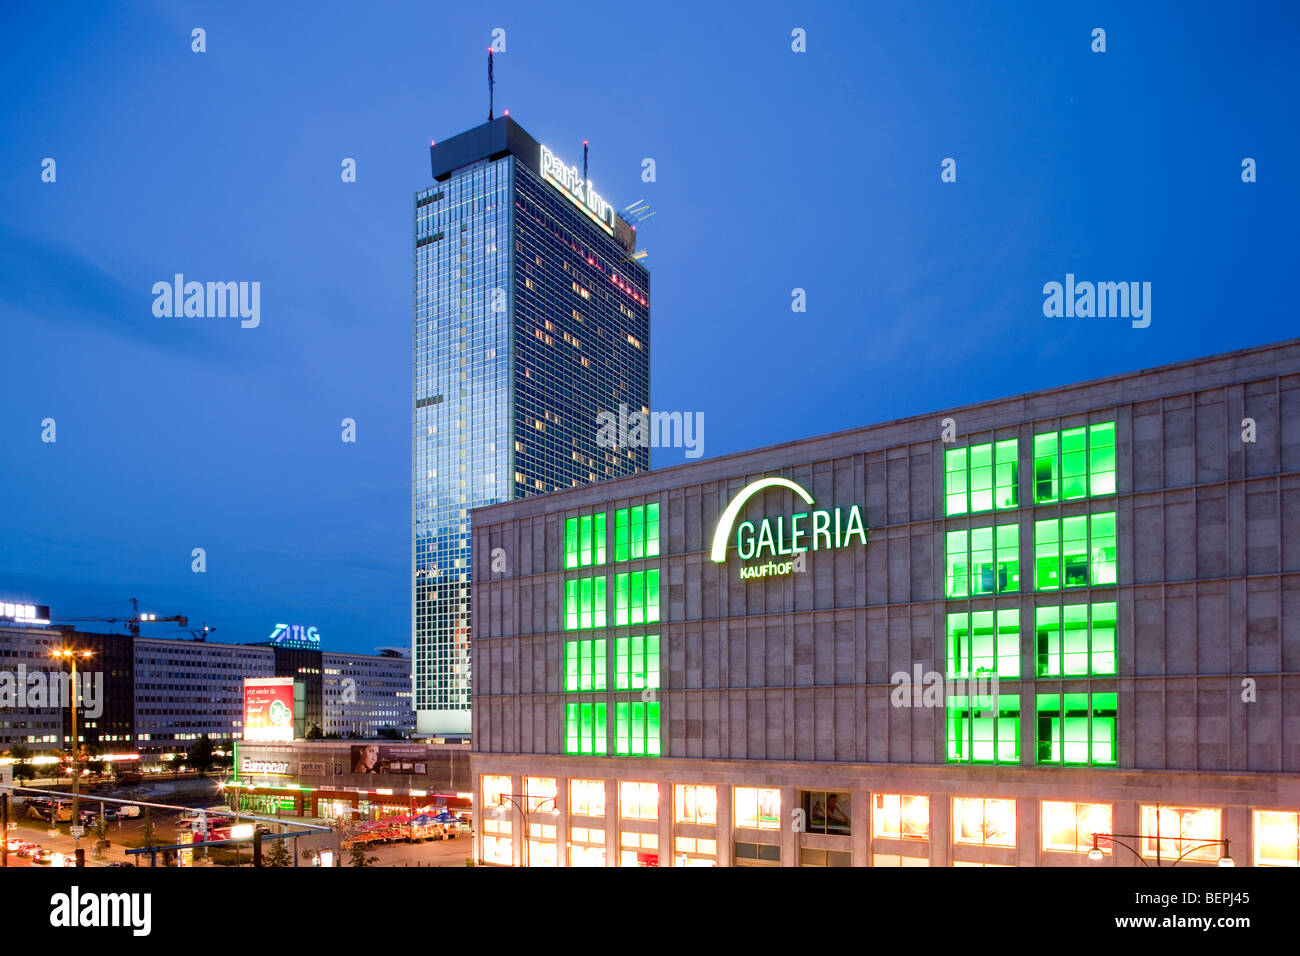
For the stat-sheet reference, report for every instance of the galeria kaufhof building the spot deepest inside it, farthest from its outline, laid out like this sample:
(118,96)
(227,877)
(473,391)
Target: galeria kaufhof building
(972,638)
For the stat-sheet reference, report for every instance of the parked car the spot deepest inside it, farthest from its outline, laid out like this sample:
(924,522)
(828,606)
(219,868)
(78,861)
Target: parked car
(128,810)
(39,854)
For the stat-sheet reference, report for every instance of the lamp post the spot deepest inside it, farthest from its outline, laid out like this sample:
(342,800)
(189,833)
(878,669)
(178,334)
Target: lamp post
(71,656)
(514,799)
(1096,855)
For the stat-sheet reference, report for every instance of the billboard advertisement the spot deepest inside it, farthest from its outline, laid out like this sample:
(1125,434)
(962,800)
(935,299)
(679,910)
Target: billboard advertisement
(390,758)
(268,708)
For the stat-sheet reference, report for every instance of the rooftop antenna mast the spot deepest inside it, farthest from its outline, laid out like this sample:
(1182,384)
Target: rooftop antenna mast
(584,160)
(491,84)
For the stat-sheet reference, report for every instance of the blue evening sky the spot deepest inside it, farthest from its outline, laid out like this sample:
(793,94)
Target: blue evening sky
(776,170)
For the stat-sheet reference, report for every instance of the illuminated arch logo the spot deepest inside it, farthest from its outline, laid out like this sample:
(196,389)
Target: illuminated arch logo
(781,538)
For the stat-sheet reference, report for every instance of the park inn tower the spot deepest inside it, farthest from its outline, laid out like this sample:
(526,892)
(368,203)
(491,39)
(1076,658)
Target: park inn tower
(532,316)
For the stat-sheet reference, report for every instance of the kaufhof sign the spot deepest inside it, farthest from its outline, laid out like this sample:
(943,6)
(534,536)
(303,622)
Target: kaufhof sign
(568,180)
(772,545)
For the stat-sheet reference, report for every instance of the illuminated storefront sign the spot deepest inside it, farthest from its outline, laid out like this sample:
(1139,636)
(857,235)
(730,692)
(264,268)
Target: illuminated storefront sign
(568,180)
(295,635)
(279,768)
(268,708)
(24,613)
(814,530)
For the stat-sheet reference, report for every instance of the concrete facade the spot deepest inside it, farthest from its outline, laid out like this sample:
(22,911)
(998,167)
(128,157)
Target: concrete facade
(786,682)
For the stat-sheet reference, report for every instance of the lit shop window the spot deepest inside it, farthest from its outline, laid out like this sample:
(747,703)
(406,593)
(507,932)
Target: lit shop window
(539,795)
(496,820)
(584,665)
(1181,833)
(695,851)
(1068,827)
(983,561)
(984,729)
(636,662)
(589,851)
(1067,644)
(972,863)
(758,808)
(638,801)
(981,822)
(638,849)
(893,859)
(979,648)
(584,541)
(587,799)
(1074,552)
(982,477)
(636,596)
(585,730)
(584,603)
(636,728)
(826,811)
(1074,463)
(495,788)
(496,849)
(636,532)
(696,803)
(1277,838)
(898,816)
(1068,733)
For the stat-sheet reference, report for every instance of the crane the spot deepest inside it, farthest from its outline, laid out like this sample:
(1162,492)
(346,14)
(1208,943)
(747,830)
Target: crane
(134,621)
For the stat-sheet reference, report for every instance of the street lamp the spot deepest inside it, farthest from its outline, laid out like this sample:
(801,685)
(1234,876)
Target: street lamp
(541,801)
(71,656)
(1095,854)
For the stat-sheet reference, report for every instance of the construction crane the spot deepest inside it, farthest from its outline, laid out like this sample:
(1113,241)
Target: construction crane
(134,621)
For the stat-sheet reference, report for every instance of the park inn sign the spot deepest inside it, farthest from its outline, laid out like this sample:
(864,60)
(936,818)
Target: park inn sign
(821,529)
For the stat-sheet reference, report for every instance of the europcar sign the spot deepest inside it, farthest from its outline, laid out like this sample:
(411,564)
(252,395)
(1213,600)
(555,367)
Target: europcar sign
(820,529)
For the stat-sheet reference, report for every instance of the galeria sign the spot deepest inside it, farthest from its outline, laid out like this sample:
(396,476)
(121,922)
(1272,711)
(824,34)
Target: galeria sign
(814,530)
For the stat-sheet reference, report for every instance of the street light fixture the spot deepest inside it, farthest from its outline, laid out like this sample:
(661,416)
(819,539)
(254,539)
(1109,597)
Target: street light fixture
(541,801)
(1095,854)
(71,655)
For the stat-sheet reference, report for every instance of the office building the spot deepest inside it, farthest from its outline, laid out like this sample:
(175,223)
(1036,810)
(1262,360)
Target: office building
(1062,628)
(531,317)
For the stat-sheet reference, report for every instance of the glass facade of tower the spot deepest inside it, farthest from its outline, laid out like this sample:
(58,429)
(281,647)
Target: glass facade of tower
(529,321)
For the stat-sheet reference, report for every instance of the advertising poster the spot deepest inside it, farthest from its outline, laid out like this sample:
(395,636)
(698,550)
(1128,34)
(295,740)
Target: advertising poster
(268,708)
(389,758)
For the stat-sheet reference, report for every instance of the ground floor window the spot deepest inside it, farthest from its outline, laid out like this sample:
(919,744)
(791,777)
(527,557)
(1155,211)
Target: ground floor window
(757,854)
(809,856)
(1068,827)
(1181,833)
(1277,838)
(900,816)
(638,849)
(695,851)
(978,821)
(758,808)
(496,849)
(826,811)
(893,859)
(586,846)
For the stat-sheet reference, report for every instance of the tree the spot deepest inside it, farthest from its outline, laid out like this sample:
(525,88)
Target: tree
(22,769)
(314,733)
(358,856)
(279,855)
(202,755)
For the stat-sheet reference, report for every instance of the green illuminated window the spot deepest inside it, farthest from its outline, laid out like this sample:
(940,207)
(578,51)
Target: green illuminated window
(636,728)
(636,662)
(584,665)
(636,597)
(1069,734)
(1074,463)
(636,532)
(982,477)
(584,541)
(584,603)
(984,729)
(1067,645)
(983,561)
(585,729)
(979,648)
(1074,552)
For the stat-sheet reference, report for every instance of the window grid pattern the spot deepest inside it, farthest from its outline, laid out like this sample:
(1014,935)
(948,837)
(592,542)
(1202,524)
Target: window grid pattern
(983,561)
(984,729)
(584,541)
(1076,729)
